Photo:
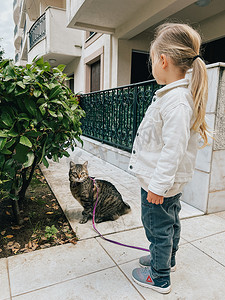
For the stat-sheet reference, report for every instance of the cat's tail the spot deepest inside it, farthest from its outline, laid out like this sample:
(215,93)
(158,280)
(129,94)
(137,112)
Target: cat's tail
(126,208)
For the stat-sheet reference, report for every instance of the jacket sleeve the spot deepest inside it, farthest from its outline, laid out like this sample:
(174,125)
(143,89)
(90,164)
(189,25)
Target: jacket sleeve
(175,135)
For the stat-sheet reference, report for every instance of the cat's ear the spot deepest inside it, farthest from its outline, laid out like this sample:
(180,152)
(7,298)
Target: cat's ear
(72,164)
(85,164)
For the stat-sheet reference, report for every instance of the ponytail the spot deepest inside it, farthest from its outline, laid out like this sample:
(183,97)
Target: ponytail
(199,90)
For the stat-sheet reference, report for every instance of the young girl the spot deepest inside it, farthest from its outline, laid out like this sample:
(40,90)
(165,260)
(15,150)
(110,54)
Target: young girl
(165,147)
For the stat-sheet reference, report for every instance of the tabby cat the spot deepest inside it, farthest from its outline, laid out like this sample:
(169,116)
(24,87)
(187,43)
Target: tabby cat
(110,203)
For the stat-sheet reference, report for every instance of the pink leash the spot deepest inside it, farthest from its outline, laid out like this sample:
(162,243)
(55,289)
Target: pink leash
(111,241)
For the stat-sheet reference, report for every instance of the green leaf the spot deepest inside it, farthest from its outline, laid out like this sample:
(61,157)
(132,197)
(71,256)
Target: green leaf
(11,88)
(41,101)
(8,163)
(25,141)
(40,62)
(56,101)
(21,84)
(5,151)
(60,115)
(23,116)
(61,67)
(45,162)
(30,160)
(42,108)
(12,133)
(54,92)
(65,153)
(21,153)
(10,143)
(55,157)
(3,134)
(30,106)
(37,93)
(2,142)
(52,113)
(6,119)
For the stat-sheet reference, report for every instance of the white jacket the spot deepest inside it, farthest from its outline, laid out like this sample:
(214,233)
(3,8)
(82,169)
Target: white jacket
(165,147)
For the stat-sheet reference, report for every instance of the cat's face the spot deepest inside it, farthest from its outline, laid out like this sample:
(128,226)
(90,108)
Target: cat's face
(78,172)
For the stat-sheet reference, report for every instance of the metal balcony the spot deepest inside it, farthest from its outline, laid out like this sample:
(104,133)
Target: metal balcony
(49,37)
(37,31)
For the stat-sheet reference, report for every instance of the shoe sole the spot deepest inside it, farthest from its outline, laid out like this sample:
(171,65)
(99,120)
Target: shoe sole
(153,287)
(172,269)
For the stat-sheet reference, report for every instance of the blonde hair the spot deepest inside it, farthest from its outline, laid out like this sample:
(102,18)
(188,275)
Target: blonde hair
(182,44)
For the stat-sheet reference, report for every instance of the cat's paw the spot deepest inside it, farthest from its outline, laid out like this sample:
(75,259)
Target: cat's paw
(83,220)
(98,220)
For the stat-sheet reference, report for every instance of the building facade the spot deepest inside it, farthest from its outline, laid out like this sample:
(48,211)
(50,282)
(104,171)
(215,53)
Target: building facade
(104,45)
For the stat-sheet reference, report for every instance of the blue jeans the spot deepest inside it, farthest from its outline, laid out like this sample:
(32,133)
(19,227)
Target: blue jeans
(162,228)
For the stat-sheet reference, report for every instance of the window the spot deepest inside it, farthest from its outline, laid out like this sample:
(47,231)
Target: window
(95,76)
(140,67)
(213,52)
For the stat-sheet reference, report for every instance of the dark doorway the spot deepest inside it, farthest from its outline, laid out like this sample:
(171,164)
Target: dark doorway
(95,76)
(213,52)
(140,66)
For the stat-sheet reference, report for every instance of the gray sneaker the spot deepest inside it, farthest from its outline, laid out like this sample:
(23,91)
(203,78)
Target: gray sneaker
(144,262)
(143,277)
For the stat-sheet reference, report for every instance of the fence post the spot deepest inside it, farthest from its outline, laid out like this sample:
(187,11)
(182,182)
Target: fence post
(103,115)
(135,95)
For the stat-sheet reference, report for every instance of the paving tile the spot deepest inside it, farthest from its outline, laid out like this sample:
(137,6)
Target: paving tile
(108,284)
(4,282)
(196,228)
(220,214)
(49,266)
(214,246)
(120,254)
(216,201)
(195,277)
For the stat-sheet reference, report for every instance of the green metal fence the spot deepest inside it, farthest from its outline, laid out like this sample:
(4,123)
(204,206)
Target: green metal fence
(113,116)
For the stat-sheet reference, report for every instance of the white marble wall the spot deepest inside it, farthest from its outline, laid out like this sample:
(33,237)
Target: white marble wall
(216,198)
(206,190)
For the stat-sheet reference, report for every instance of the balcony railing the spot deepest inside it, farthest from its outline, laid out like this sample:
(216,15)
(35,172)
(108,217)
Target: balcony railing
(37,31)
(113,116)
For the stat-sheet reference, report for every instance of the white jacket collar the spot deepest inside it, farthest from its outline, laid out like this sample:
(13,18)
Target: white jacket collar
(179,83)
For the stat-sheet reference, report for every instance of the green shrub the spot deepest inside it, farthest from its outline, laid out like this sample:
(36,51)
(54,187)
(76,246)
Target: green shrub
(39,119)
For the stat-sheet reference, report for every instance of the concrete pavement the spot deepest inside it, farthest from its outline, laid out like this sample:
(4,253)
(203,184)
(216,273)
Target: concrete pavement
(97,269)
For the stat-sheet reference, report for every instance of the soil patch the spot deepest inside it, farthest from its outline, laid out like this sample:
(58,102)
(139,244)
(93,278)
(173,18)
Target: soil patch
(45,224)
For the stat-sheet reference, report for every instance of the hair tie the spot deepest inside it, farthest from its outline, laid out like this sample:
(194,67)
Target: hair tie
(194,58)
